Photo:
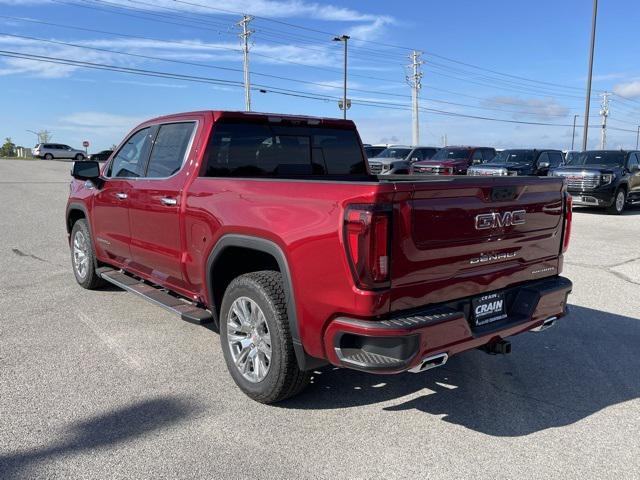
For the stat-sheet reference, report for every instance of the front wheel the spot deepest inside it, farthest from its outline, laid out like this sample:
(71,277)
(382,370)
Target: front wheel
(619,202)
(83,256)
(79,157)
(256,340)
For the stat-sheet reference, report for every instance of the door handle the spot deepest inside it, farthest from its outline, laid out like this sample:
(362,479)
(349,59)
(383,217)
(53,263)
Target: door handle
(169,201)
(122,195)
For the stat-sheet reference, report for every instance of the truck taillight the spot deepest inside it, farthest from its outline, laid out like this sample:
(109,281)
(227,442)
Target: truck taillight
(568,218)
(367,241)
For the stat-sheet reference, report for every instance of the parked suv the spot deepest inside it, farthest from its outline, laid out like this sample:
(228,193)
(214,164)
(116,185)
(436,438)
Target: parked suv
(49,151)
(603,178)
(398,159)
(453,160)
(520,162)
(271,227)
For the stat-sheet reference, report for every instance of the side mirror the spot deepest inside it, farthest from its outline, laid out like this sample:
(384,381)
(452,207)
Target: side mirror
(476,161)
(543,165)
(414,159)
(85,170)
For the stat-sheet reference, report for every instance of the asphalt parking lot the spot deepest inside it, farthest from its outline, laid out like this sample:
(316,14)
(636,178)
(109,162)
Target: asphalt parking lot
(105,385)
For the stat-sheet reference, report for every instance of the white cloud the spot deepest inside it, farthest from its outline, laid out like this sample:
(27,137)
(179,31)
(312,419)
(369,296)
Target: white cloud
(371,30)
(628,89)
(541,108)
(99,120)
(264,8)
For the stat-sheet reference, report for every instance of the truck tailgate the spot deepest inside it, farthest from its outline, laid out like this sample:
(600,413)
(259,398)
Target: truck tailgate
(464,236)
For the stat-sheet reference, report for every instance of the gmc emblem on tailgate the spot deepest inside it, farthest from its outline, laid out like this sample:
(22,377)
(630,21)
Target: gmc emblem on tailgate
(496,220)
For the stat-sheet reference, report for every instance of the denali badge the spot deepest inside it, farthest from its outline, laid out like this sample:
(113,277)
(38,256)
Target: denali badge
(490,257)
(495,220)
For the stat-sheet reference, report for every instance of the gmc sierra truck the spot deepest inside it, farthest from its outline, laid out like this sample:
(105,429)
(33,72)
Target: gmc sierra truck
(603,178)
(272,227)
(520,162)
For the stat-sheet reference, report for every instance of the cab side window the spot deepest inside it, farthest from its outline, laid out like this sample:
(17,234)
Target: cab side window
(477,156)
(169,149)
(131,158)
(633,161)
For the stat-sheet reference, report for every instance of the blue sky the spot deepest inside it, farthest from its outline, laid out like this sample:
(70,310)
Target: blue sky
(542,41)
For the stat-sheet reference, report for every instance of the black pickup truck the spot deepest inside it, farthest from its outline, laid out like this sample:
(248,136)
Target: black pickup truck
(520,162)
(603,178)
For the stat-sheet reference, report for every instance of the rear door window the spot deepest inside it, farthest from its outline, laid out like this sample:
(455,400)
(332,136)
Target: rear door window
(131,159)
(262,150)
(169,149)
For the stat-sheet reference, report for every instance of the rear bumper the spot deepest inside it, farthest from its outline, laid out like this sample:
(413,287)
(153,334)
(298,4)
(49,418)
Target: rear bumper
(400,342)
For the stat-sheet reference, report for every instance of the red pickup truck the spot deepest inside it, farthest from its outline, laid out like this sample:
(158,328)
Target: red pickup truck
(272,227)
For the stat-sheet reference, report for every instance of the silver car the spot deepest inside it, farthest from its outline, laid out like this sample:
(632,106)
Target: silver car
(49,151)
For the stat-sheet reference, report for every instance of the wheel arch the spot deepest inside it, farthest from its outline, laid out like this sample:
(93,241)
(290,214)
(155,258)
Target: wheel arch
(76,211)
(267,251)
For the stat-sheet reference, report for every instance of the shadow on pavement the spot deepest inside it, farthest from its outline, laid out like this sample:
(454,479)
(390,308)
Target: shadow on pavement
(586,363)
(99,431)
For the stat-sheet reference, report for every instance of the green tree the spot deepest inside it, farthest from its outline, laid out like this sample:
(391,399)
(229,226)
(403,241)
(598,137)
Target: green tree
(44,136)
(8,149)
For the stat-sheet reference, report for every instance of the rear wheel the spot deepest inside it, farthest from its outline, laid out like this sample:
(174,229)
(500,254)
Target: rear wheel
(256,340)
(83,256)
(619,202)
(48,156)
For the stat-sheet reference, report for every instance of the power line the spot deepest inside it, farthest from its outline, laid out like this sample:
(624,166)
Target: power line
(231,69)
(523,88)
(258,87)
(429,53)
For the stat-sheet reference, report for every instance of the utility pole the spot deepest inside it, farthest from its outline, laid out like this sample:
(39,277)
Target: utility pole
(345,104)
(604,113)
(244,36)
(415,81)
(573,135)
(589,76)
(637,137)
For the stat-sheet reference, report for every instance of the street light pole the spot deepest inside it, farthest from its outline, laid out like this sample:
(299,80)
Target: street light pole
(35,133)
(637,137)
(589,76)
(344,38)
(573,135)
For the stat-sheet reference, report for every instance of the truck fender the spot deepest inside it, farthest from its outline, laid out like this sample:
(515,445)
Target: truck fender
(305,362)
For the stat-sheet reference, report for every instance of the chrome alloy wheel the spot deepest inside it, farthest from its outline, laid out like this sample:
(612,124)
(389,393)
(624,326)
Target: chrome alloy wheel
(80,254)
(249,339)
(620,200)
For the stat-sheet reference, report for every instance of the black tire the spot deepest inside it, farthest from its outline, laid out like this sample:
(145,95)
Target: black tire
(48,156)
(79,157)
(90,280)
(617,207)
(284,378)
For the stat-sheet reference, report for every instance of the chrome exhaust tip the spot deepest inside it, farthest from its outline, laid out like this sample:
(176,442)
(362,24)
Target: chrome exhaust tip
(548,323)
(430,362)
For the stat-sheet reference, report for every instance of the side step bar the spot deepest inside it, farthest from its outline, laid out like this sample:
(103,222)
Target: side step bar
(187,311)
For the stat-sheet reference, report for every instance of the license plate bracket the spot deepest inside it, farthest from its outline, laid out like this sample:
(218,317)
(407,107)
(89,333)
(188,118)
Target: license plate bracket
(488,308)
